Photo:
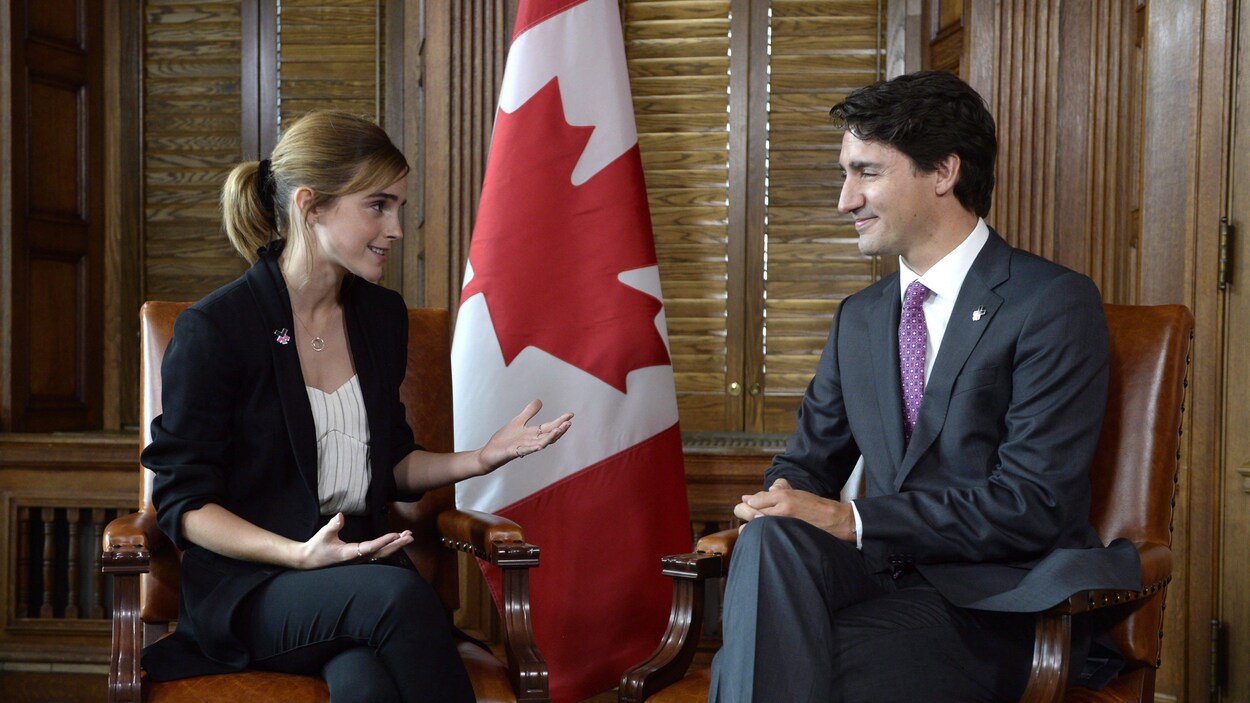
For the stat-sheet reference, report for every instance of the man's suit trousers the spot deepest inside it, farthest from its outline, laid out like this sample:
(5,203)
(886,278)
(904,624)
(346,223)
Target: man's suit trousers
(804,620)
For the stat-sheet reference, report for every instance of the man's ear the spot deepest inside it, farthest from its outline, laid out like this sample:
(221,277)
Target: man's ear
(947,173)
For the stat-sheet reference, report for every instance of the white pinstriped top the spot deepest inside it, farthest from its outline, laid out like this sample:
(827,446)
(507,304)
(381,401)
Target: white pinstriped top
(342,448)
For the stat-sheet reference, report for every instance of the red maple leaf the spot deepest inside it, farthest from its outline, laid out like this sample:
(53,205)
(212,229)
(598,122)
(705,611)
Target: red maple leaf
(546,254)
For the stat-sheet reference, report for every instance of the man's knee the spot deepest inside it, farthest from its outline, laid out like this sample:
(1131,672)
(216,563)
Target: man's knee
(768,530)
(772,538)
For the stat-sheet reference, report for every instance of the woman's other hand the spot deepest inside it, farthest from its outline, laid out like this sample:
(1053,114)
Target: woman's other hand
(424,471)
(518,438)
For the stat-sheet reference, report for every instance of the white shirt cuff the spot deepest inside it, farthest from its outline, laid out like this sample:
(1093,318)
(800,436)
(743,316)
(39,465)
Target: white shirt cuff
(859,527)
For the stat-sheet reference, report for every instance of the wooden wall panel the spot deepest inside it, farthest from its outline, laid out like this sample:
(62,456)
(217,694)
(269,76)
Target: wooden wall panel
(55,245)
(1065,90)
(56,283)
(1112,125)
(460,67)
(463,50)
(56,494)
(1097,212)
(123,284)
(1186,101)
(7,146)
(1024,107)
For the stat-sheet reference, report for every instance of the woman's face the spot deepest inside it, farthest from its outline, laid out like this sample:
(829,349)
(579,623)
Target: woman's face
(357,230)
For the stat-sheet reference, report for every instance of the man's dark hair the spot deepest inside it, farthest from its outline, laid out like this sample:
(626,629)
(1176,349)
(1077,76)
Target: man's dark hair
(927,116)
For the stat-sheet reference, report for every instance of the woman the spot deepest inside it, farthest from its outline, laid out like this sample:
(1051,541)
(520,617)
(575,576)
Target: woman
(283,438)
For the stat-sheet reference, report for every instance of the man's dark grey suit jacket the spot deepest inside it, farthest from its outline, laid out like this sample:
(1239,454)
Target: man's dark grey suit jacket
(990,499)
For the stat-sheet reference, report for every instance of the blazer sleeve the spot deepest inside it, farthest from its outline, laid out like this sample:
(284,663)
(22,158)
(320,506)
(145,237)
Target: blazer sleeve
(1037,495)
(402,442)
(191,438)
(821,453)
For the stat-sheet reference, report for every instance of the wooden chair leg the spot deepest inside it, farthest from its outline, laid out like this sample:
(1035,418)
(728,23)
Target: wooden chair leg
(124,667)
(1049,678)
(669,662)
(526,665)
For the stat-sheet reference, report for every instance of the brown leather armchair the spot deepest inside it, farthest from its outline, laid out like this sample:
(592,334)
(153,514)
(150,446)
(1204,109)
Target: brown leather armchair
(1133,478)
(144,563)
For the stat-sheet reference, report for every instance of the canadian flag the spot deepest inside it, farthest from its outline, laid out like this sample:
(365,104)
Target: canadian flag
(561,301)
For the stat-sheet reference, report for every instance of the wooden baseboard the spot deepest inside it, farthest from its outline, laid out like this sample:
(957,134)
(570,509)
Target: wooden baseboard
(52,687)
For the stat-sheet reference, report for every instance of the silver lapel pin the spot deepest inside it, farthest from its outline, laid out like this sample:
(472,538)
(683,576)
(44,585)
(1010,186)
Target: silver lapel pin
(978,314)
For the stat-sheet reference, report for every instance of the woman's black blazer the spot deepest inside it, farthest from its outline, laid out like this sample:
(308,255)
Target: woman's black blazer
(237,430)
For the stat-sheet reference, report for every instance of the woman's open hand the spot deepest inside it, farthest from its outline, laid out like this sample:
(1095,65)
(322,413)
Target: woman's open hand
(327,549)
(517,438)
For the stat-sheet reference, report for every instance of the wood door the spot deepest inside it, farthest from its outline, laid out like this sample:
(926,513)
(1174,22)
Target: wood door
(1234,599)
(57,240)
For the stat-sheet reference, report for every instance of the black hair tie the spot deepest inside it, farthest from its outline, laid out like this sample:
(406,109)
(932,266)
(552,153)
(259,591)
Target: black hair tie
(265,187)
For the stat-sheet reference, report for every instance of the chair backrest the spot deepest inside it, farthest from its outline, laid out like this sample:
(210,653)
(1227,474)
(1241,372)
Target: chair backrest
(1133,477)
(426,393)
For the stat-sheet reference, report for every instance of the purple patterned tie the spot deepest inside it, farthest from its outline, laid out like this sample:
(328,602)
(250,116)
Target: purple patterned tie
(912,335)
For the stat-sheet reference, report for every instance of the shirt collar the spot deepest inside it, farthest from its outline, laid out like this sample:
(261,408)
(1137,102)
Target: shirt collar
(946,277)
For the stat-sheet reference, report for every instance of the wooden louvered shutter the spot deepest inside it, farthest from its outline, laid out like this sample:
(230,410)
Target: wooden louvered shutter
(191,140)
(678,56)
(820,51)
(330,56)
(751,281)
(328,53)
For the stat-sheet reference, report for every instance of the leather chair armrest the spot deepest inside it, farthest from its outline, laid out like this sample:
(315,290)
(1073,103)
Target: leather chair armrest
(501,542)
(1156,565)
(1156,573)
(721,543)
(1054,627)
(494,539)
(131,534)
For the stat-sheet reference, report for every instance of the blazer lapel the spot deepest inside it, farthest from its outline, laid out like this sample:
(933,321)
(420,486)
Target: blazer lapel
(963,332)
(269,289)
(369,374)
(883,343)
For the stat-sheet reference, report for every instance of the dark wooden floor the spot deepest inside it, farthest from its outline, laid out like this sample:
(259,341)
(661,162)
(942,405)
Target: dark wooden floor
(39,687)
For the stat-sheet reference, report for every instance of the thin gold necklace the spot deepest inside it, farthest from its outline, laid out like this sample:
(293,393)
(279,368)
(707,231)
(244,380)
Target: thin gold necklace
(318,343)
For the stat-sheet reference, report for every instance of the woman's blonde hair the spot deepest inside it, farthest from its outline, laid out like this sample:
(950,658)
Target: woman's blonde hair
(332,153)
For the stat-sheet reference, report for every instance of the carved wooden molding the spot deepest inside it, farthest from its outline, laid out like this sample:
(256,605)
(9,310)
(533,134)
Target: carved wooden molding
(745,443)
(70,451)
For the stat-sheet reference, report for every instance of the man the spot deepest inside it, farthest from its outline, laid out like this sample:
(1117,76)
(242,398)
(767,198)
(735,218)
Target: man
(972,384)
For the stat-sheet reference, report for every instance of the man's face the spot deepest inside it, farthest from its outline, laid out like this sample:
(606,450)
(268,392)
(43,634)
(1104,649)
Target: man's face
(891,202)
